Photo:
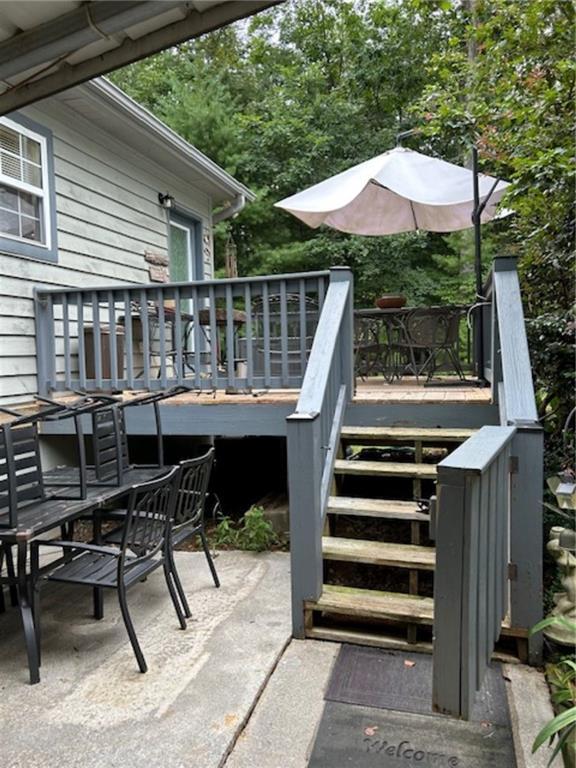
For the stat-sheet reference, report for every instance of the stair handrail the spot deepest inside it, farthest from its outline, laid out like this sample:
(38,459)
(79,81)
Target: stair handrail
(313,432)
(512,382)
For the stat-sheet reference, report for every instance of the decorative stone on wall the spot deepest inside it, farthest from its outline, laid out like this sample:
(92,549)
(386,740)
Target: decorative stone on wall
(158,269)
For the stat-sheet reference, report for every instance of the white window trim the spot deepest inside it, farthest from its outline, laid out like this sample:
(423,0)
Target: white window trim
(44,193)
(191,265)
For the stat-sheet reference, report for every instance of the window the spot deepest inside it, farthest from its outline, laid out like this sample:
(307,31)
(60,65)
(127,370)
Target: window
(27,216)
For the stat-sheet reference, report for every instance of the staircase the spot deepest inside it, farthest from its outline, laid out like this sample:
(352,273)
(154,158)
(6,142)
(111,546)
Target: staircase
(378,558)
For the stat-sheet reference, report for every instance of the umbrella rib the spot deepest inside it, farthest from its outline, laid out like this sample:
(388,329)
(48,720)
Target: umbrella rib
(414,215)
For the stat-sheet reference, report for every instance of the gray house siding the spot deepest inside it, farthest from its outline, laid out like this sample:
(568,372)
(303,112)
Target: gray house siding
(108,217)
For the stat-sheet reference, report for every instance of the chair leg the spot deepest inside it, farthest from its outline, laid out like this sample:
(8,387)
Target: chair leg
(26,615)
(206,549)
(98,602)
(11,575)
(35,597)
(173,593)
(2,601)
(178,585)
(130,629)
(98,592)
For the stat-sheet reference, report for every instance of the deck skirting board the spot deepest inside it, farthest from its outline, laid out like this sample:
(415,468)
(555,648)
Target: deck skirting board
(259,419)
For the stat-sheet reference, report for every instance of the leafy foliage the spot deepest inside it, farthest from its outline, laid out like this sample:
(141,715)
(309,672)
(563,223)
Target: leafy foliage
(253,533)
(562,680)
(514,97)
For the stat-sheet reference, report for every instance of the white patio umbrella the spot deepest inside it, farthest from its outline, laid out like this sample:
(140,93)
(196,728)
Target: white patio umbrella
(401,191)
(398,191)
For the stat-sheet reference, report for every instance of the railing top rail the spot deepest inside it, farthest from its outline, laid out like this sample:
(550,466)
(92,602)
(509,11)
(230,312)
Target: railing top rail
(519,400)
(476,454)
(191,284)
(323,348)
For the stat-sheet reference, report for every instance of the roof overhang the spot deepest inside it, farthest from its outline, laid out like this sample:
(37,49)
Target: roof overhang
(107,107)
(48,46)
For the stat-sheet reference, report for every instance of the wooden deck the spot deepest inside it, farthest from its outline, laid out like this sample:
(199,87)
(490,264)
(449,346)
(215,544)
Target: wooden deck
(264,412)
(373,391)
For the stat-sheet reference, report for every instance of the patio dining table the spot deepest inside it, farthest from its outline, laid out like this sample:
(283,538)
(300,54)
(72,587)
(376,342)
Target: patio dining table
(40,517)
(407,341)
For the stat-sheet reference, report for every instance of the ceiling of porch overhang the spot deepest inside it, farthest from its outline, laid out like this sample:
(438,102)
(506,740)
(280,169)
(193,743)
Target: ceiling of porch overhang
(47,46)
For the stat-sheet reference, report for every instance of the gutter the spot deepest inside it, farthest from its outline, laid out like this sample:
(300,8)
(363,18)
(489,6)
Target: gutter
(230,210)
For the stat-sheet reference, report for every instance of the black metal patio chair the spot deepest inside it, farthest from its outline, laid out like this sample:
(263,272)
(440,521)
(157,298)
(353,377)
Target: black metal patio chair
(143,548)
(189,514)
(430,341)
(192,491)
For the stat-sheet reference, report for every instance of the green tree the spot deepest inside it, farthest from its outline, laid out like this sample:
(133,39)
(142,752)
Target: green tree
(515,99)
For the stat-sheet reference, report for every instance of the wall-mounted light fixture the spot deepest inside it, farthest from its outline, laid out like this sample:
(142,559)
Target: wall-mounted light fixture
(167,200)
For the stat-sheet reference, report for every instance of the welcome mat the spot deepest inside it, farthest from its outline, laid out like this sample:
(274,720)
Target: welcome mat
(403,681)
(350,736)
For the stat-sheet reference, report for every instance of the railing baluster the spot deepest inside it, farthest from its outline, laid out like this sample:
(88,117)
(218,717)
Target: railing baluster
(249,335)
(284,333)
(504,532)
(66,334)
(162,336)
(81,345)
(146,353)
(180,338)
(113,340)
(493,556)
(96,340)
(303,324)
(266,331)
(214,341)
(230,336)
(483,614)
(128,347)
(321,293)
(197,339)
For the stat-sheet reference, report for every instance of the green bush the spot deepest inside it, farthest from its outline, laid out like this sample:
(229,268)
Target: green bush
(253,532)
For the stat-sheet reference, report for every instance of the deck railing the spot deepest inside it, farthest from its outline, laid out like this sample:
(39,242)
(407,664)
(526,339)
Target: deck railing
(313,433)
(220,334)
(471,586)
(492,485)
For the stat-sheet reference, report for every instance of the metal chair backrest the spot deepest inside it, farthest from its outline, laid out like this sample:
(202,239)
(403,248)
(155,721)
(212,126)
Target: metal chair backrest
(110,443)
(432,328)
(20,469)
(192,490)
(148,518)
(298,311)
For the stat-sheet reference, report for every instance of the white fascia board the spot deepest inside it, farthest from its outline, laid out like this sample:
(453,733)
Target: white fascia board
(120,102)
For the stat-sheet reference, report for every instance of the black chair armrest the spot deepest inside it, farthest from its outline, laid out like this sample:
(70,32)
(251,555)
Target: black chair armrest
(82,546)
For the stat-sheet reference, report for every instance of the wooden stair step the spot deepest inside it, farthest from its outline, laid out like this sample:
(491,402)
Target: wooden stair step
(386,469)
(380,508)
(378,553)
(385,606)
(372,604)
(404,434)
(381,640)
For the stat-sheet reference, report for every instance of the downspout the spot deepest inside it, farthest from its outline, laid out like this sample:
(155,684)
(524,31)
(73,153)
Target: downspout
(230,209)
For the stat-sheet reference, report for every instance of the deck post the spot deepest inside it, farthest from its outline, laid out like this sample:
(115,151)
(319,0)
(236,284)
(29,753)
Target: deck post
(45,343)
(346,336)
(304,488)
(526,590)
(449,592)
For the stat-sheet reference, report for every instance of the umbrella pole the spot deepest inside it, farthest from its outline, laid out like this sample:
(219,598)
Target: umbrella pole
(476,215)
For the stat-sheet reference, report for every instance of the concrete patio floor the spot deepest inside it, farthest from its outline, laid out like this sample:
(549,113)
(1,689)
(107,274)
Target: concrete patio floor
(231,691)
(94,708)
